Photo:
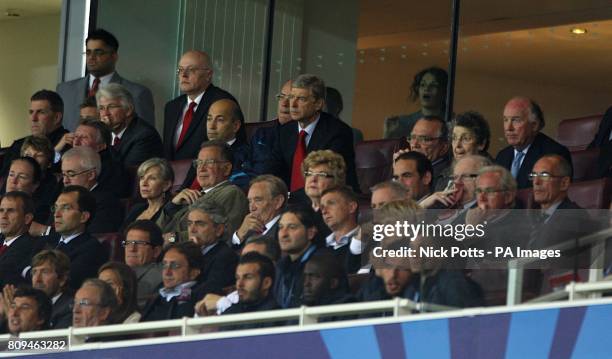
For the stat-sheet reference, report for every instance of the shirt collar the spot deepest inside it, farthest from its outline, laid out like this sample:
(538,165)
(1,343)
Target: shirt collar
(524,150)
(179,290)
(310,128)
(56,297)
(197,100)
(120,134)
(551,210)
(104,80)
(208,248)
(344,240)
(271,223)
(231,142)
(8,242)
(67,239)
(213,187)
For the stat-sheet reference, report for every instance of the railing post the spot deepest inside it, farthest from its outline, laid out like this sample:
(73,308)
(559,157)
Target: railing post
(515,285)
(74,339)
(186,329)
(305,318)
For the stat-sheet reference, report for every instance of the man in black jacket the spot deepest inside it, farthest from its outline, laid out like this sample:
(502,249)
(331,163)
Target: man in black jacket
(50,273)
(185,116)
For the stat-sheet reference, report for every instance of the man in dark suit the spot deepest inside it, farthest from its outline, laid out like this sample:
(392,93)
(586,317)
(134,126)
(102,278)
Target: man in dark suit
(81,166)
(603,136)
(46,114)
(50,273)
(185,116)
(74,209)
(310,130)
(16,214)
(523,121)
(206,228)
(133,140)
(101,59)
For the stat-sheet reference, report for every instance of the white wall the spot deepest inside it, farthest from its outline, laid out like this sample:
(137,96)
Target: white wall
(28,63)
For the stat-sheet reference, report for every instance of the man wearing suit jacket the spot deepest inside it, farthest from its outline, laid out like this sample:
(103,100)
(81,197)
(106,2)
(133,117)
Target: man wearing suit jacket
(206,228)
(133,140)
(74,209)
(312,129)
(101,57)
(16,214)
(523,121)
(50,273)
(603,136)
(267,196)
(185,116)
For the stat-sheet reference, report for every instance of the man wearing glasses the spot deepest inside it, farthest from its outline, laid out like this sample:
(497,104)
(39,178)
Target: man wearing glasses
(93,304)
(429,136)
(523,121)
(101,57)
(143,246)
(185,116)
(81,166)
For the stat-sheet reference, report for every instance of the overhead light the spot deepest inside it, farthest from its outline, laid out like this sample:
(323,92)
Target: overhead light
(578,31)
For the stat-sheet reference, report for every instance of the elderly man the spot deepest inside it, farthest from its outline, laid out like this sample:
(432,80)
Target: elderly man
(143,245)
(101,59)
(29,311)
(94,303)
(267,196)
(214,165)
(206,228)
(523,121)
(429,136)
(386,192)
(46,114)
(133,140)
(414,170)
(185,116)
(81,167)
(50,273)
(311,130)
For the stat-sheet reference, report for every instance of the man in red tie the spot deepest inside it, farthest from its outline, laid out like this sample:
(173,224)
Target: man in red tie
(185,116)
(310,130)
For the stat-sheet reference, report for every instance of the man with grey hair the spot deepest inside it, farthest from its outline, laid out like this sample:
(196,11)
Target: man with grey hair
(523,122)
(206,228)
(93,304)
(388,191)
(267,196)
(81,166)
(311,129)
(133,140)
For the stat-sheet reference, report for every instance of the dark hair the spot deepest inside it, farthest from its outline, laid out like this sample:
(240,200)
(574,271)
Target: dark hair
(41,144)
(226,151)
(145,225)
(476,123)
(333,100)
(86,201)
(109,39)
(272,246)
(27,203)
(443,128)
(129,284)
(54,99)
(36,171)
(423,164)
(44,303)
(304,213)
(331,267)
(58,259)
(440,75)
(88,102)
(266,266)
(104,132)
(190,250)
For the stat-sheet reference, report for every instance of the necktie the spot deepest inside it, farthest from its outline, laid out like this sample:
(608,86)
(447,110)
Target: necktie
(186,122)
(516,163)
(94,87)
(297,180)
(116,141)
(3,249)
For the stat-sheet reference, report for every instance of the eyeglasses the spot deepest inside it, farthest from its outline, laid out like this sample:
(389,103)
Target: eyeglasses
(470,176)
(301,99)
(108,107)
(83,303)
(72,174)
(544,176)
(321,175)
(188,70)
(62,208)
(282,97)
(135,243)
(489,192)
(462,139)
(206,163)
(422,139)
(171,265)
(97,53)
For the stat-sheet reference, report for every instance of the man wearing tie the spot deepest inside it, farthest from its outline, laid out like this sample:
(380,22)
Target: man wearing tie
(185,116)
(101,59)
(523,121)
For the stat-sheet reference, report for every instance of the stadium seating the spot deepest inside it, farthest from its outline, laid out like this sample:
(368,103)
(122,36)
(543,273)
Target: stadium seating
(112,241)
(251,127)
(585,164)
(180,168)
(577,133)
(374,160)
(593,194)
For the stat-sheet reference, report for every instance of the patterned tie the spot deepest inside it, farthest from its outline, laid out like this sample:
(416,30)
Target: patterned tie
(186,122)
(516,163)
(297,180)
(94,87)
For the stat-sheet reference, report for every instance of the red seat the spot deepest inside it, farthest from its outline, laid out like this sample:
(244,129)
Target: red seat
(180,168)
(585,164)
(577,133)
(593,194)
(112,241)
(374,161)
(251,127)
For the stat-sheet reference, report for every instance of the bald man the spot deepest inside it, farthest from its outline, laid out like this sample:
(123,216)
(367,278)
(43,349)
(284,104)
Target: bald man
(523,121)
(185,116)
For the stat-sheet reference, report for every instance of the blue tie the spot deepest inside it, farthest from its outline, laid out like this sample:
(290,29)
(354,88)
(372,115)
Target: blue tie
(516,163)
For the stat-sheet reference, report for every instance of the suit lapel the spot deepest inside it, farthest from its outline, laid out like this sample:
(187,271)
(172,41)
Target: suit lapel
(317,135)
(81,88)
